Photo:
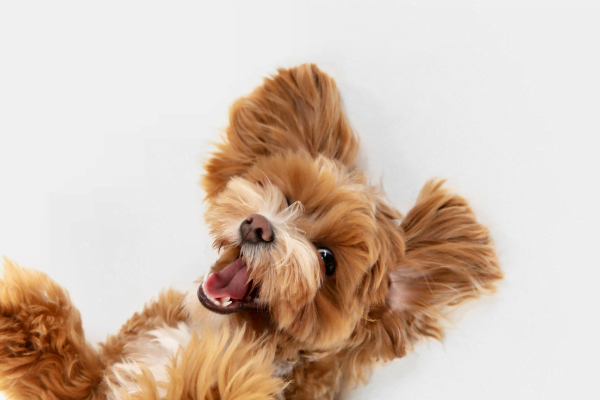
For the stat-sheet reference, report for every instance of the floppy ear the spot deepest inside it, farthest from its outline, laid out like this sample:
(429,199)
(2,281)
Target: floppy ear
(449,258)
(298,109)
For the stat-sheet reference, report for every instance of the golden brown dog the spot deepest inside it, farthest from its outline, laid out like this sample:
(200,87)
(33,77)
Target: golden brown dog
(318,278)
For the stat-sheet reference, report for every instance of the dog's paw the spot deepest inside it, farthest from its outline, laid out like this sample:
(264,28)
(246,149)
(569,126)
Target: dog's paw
(33,309)
(42,348)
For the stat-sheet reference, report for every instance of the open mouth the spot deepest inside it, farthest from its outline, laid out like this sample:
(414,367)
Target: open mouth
(229,290)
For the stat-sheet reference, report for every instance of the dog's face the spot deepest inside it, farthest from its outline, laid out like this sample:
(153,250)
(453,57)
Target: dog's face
(299,239)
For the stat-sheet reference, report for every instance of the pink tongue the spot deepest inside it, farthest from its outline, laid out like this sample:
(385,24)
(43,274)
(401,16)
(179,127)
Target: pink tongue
(232,281)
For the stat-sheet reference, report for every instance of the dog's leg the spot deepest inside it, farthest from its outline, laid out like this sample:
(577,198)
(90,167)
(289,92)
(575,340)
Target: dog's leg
(179,349)
(145,344)
(43,353)
(211,366)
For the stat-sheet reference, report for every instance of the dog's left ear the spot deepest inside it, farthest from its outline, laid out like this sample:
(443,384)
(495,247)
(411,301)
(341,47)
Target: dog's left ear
(448,257)
(299,109)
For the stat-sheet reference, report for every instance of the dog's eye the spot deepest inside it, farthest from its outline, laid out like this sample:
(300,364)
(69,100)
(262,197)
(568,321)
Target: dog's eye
(328,261)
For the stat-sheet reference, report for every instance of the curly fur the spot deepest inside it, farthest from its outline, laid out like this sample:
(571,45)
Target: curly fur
(225,367)
(288,154)
(42,350)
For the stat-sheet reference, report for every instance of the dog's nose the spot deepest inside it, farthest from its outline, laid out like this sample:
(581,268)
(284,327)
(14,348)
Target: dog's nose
(256,229)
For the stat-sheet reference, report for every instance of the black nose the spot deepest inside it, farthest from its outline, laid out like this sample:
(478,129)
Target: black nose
(256,229)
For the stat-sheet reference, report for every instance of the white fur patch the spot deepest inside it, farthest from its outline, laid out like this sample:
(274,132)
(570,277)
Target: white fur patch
(154,350)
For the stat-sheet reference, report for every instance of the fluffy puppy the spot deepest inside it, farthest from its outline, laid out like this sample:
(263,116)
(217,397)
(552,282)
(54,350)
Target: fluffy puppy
(318,277)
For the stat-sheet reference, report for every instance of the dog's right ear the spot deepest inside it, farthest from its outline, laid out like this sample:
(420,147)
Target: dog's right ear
(298,109)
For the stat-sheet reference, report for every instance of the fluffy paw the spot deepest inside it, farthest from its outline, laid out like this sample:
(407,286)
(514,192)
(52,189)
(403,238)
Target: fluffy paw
(42,348)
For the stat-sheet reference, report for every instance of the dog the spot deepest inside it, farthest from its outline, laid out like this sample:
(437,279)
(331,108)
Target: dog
(318,278)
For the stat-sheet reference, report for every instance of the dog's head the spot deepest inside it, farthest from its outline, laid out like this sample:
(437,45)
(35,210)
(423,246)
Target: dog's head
(309,251)
(300,240)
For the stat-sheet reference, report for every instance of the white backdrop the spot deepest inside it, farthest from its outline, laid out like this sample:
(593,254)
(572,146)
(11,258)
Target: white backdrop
(107,111)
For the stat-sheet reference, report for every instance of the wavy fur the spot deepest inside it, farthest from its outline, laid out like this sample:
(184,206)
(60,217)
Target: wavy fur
(43,353)
(227,367)
(289,154)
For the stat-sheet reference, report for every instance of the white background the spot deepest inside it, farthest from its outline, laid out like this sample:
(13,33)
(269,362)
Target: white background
(108,110)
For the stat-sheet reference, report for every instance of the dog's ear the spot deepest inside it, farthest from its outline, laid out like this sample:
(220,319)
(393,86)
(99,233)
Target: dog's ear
(448,258)
(298,109)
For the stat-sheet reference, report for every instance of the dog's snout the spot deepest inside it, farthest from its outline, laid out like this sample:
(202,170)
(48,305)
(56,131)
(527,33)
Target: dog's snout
(256,229)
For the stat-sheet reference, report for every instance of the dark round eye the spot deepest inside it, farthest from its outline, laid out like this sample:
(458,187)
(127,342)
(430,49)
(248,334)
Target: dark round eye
(328,261)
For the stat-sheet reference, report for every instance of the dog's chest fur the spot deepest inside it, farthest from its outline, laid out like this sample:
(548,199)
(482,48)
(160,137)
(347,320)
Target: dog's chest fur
(155,350)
